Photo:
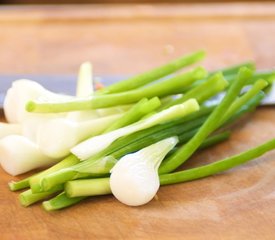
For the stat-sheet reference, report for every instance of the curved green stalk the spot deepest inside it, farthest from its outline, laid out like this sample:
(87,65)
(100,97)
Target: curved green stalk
(60,201)
(217,167)
(256,88)
(154,74)
(159,89)
(35,181)
(27,198)
(202,92)
(234,69)
(211,124)
(15,186)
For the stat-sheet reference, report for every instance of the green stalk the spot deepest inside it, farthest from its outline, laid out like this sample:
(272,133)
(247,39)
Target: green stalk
(248,107)
(234,69)
(202,92)
(143,107)
(256,88)
(98,168)
(27,198)
(160,89)
(87,187)
(60,201)
(217,167)
(19,185)
(215,139)
(230,74)
(246,103)
(35,181)
(211,124)
(154,74)
(266,75)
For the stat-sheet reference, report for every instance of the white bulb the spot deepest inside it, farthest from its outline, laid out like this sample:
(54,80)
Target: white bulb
(134,182)
(20,93)
(19,155)
(14,103)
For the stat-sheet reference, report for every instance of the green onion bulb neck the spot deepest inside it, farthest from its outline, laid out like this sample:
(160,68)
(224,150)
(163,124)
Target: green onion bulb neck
(93,145)
(67,134)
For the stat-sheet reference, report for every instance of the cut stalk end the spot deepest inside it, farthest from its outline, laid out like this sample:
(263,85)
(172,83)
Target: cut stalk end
(24,200)
(30,106)
(12,186)
(48,206)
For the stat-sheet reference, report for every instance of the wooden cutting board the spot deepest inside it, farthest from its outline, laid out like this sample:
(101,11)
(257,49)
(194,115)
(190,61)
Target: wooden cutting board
(127,39)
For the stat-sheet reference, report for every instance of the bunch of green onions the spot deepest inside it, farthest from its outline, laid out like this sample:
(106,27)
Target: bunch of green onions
(168,122)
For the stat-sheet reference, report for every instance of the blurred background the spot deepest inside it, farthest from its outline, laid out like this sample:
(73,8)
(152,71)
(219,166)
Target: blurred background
(121,39)
(115,1)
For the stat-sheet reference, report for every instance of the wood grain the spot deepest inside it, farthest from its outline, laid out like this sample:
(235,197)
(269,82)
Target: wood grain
(238,204)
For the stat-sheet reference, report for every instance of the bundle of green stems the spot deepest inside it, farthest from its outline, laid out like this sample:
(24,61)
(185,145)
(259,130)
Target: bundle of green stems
(73,180)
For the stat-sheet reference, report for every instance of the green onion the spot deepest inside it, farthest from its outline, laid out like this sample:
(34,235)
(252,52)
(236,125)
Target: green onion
(154,74)
(266,75)
(105,164)
(159,89)
(102,166)
(234,69)
(100,186)
(229,73)
(256,88)
(146,137)
(91,187)
(208,127)
(202,92)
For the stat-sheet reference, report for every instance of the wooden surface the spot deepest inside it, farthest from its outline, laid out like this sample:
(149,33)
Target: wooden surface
(109,1)
(238,204)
